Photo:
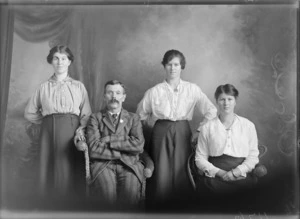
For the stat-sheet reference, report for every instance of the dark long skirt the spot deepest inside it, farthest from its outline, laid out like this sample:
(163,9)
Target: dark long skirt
(61,166)
(169,149)
(228,163)
(215,195)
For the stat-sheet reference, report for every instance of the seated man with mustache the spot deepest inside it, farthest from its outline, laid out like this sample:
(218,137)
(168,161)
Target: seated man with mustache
(115,140)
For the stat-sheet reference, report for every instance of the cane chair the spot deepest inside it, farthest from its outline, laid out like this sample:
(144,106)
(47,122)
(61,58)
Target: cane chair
(194,173)
(144,158)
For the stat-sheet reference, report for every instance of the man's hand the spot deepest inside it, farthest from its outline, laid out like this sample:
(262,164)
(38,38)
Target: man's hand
(105,139)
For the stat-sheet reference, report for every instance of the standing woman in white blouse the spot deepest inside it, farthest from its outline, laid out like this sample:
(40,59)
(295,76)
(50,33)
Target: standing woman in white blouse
(170,105)
(61,105)
(227,146)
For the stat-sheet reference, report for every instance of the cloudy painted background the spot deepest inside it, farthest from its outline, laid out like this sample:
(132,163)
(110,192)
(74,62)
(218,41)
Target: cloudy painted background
(252,47)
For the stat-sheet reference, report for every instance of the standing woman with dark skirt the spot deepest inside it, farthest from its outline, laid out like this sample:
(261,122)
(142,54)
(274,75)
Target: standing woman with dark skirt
(61,105)
(170,105)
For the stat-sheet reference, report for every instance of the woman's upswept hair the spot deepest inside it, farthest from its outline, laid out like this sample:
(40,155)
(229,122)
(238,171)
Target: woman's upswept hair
(60,49)
(169,55)
(228,89)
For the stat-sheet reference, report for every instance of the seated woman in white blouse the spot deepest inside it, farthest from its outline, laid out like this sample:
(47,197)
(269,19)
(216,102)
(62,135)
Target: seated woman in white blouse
(227,146)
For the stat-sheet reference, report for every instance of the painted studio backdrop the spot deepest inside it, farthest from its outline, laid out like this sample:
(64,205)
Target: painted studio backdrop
(250,46)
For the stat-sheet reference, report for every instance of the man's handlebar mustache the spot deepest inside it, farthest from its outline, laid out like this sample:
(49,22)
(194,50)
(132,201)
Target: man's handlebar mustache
(114,101)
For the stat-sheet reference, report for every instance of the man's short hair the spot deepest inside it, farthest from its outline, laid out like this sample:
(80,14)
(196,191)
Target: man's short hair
(114,82)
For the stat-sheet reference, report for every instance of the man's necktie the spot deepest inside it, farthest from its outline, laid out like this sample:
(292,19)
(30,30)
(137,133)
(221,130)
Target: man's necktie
(115,119)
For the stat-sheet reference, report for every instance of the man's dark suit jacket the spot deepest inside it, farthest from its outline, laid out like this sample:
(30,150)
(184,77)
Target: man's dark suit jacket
(105,142)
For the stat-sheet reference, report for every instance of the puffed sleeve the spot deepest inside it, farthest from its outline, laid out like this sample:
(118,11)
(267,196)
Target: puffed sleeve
(33,108)
(85,109)
(144,109)
(202,154)
(205,106)
(252,158)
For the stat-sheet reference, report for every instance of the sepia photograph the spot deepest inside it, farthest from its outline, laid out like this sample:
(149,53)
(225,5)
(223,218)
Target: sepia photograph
(149,109)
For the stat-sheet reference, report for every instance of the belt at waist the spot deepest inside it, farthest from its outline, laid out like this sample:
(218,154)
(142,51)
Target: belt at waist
(167,120)
(61,115)
(226,162)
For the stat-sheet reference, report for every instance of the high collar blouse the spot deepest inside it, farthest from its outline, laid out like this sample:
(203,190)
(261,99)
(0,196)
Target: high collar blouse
(163,102)
(53,96)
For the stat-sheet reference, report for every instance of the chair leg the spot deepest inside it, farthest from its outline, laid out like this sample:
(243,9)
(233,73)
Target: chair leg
(190,174)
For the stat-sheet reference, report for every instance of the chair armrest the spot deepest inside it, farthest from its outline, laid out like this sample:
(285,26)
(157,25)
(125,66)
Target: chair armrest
(148,163)
(260,170)
(262,150)
(81,145)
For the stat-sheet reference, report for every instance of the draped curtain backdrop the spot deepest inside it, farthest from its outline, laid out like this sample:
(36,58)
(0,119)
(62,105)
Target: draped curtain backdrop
(64,25)
(6,30)
(251,46)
